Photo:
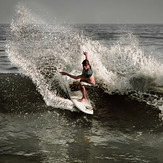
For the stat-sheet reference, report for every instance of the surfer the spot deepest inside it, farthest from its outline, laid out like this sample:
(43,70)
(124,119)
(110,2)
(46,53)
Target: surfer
(86,77)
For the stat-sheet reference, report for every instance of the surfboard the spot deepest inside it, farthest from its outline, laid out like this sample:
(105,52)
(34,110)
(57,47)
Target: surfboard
(85,106)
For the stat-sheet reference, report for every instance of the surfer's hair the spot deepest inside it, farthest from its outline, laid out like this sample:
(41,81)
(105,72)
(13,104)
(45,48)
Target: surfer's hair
(85,62)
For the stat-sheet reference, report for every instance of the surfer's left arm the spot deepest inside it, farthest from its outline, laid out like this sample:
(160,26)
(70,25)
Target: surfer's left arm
(86,55)
(71,76)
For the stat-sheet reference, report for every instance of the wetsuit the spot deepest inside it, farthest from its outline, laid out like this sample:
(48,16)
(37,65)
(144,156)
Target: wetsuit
(87,73)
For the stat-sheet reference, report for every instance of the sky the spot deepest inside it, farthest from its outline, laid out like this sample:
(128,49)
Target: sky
(90,11)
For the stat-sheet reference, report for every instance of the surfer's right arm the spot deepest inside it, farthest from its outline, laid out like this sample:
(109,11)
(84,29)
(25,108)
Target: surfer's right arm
(71,76)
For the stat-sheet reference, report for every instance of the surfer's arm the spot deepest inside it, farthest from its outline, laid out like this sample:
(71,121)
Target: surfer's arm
(71,76)
(86,55)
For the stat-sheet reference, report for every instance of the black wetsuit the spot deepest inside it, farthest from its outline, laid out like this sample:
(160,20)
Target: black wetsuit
(87,73)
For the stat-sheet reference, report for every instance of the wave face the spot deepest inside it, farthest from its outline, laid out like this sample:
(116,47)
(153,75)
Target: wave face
(41,51)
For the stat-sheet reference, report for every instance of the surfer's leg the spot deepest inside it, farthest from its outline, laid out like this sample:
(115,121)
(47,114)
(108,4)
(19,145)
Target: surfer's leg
(84,94)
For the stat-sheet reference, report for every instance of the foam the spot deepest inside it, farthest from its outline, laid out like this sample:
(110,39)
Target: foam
(42,50)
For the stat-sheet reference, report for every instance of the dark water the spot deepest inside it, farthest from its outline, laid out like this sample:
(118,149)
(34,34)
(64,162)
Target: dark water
(121,130)
(126,127)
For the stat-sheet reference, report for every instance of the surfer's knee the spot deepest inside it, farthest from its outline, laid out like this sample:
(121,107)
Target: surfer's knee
(82,88)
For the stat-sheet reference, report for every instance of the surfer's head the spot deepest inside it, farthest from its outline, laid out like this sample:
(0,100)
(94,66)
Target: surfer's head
(86,64)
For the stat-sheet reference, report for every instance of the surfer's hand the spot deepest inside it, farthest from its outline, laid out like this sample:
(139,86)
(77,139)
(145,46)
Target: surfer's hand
(85,53)
(63,73)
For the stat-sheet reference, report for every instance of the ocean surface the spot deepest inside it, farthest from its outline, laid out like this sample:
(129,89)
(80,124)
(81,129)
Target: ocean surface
(38,122)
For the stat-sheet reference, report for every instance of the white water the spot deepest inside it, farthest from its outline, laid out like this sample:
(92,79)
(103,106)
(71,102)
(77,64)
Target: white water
(42,50)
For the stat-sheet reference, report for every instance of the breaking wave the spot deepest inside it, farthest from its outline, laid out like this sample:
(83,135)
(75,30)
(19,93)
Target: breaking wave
(41,50)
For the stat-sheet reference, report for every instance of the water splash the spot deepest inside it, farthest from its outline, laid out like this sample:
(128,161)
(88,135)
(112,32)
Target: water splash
(42,50)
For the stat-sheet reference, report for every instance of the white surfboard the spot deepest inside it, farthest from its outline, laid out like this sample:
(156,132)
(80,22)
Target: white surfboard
(85,106)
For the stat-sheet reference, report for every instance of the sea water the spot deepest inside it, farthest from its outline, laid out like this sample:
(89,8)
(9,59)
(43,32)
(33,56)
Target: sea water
(38,121)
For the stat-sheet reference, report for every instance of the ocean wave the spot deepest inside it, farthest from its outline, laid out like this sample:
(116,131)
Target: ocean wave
(19,95)
(42,50)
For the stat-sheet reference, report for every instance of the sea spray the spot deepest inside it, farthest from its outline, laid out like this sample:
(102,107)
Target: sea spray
(42,50)
(30,49)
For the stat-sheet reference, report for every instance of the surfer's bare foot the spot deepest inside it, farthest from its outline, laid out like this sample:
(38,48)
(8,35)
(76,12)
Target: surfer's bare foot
(82,100)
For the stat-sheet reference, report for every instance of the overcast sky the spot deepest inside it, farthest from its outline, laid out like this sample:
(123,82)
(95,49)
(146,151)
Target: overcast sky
(90,11)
